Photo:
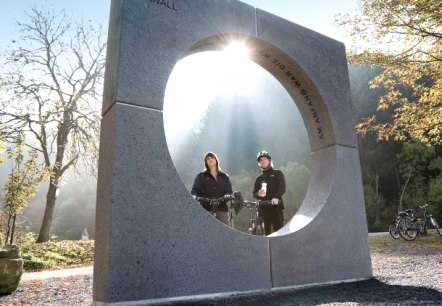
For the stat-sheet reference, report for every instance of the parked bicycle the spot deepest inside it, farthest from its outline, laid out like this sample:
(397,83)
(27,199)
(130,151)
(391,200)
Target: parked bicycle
(428,218)
(393,228)
(410,227)
(257,221)
(235,200)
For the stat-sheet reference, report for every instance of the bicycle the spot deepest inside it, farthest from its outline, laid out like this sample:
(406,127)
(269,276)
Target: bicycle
(410,227)
(235,199)
(393,228)
(407,226)
(257,221)
(428,218)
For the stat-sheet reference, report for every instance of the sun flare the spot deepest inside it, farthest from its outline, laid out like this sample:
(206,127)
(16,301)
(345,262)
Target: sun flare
(197,80)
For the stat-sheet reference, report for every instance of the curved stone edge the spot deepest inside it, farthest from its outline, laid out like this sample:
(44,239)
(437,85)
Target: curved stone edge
(152,238)
(141,70)
(333,246)
(324,60)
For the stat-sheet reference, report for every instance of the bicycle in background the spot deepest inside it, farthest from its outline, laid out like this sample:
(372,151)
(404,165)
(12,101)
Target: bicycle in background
(410,226)
(407,226)
(393,229)
(428,218)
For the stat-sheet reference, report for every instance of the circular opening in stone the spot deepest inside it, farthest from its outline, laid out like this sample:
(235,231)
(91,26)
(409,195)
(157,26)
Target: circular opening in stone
(235,108)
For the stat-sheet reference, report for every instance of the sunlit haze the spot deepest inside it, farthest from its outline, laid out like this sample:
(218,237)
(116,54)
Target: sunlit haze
(221,101)
(197,81)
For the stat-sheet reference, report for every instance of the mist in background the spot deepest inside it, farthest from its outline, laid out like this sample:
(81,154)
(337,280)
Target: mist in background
(235,109)
(75,209)
(213,103)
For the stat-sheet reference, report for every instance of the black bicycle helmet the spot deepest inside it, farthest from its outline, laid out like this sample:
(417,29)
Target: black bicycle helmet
(263,154)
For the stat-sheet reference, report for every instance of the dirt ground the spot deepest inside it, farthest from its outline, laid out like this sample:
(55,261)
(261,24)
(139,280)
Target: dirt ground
(405,273)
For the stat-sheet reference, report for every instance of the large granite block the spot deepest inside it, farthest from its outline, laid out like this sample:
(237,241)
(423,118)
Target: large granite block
(328,240)
(141,31)
(153,240)
(322,70)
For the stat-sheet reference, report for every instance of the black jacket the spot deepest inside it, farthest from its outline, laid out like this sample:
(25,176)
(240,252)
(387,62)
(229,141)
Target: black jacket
(206,186)
(275,185)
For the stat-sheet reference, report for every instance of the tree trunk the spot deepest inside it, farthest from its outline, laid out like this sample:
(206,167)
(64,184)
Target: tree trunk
(46,224)
(377,197)
(58,170)
(402,193)
(8,232)
(13,228)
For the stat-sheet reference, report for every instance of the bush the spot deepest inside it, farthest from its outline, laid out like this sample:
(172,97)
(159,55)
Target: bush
(31,263)
(55,254)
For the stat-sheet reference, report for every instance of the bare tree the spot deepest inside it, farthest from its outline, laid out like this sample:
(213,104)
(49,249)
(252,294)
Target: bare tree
(51,89)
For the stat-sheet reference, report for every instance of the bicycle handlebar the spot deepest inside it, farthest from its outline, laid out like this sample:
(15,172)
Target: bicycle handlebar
(216,201)
(226,197)
(426,205)
(235,200)
(257,203)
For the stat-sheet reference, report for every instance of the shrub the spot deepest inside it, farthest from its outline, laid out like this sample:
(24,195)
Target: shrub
(55,254)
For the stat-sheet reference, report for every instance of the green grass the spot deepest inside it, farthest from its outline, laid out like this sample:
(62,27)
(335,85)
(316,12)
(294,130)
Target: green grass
(430,240)
(55,254)
(64,254)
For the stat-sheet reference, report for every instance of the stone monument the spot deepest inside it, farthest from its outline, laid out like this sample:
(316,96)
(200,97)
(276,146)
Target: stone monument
(153,240)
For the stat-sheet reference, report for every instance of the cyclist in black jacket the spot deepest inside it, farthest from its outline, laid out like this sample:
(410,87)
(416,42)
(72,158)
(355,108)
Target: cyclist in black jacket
(270,185)
(213,183)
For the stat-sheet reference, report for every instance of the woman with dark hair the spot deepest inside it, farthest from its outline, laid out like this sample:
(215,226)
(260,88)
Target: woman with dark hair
(213,183)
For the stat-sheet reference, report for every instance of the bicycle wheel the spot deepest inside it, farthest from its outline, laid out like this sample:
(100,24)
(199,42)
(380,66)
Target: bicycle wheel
(252,229)
(259,230)
(408,229)
(436,225)
(422,226)
(423,229)
(394,231)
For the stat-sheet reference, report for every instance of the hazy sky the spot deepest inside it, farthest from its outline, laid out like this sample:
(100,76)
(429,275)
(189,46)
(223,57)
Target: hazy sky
(317,15)
(14,10)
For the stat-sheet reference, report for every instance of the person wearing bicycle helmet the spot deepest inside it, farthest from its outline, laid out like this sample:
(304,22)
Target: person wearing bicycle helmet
(270,185)
(213,183)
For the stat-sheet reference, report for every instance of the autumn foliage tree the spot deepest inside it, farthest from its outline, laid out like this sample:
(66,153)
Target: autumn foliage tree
(21,185)
(404,37)
(51,89)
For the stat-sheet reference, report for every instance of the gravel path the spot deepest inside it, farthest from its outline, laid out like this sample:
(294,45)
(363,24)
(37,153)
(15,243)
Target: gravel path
(404,274)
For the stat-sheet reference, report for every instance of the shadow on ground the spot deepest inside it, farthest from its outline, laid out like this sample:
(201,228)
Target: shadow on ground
(367,292)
